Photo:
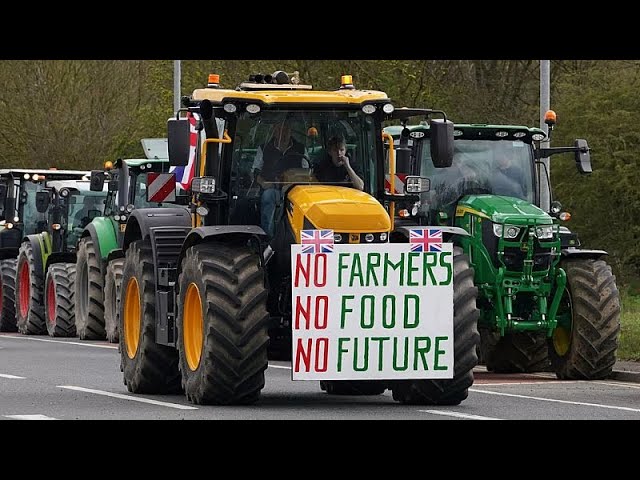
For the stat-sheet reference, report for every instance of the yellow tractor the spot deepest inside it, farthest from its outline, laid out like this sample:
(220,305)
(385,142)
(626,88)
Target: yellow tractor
(207,289)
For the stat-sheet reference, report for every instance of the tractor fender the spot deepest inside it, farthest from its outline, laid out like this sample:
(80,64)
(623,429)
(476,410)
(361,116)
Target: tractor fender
(41,245)
(96,231)
(232,233)
(582,253)
(142,220)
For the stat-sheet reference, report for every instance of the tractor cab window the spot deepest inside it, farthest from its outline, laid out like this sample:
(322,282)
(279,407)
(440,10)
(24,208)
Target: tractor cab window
(82,208)
(27,212)
(280,149)
(496,167)
(140,192)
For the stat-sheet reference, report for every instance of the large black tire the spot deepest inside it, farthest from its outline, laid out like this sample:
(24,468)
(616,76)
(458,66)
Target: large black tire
(227,365)
(148,367)
(466,338)
(112,287)
(29,294)
(59,293)
(8,295)
(522,352)
(593,302)
(89,296)
(353,387)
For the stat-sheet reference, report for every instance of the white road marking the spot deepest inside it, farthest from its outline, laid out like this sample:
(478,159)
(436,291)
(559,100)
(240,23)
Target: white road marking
(459,415)
(129,397)
(586,404)
(490,384)
(30,417)
(112,347)
(617,384)
(6,375)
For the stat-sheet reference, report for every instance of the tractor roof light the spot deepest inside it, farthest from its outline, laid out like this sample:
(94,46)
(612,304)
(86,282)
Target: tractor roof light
(538,137)
(213,81)
(564,216)
(388,108)
(64,192)
(346,82)
(368,109)
(230,107)
(502,134)
(26,176)
(108,165)
(253,108)
(519,134)
(550,118)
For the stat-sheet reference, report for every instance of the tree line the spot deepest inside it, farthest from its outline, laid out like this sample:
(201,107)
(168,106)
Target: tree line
(78,114)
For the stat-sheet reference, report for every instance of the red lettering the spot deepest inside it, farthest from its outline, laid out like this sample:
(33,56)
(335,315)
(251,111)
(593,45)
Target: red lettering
(300,353)
(306,313)
(322,354)
(321,323)
(300,269)
(320,257)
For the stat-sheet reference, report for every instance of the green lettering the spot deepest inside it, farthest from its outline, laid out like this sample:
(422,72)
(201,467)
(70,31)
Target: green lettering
(385,304)
(416,310)
(341,350)
(381,341)
(394,266)
(363,311)
(356,270)
(396,367)
(411,269)
(370,270)
(437,354)
(429,260)
(422,351)
(365,366)
(448,265)
(344,309)
(341,266)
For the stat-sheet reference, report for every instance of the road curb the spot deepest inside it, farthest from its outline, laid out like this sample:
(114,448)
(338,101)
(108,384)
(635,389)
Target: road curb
(625,376)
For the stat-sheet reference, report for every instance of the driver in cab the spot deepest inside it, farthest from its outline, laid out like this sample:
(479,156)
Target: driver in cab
(280,153)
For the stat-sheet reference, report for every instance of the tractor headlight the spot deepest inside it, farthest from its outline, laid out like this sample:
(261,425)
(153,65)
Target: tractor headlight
(202,211)
(130,208)
(203,185)
(16,219)
(510,231)
(544,232)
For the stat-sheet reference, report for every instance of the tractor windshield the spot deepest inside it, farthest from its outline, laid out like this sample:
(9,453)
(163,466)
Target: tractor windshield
(82,208)
(287,147)
(497,167)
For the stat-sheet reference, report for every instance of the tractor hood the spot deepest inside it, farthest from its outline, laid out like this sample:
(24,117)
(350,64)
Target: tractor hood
(501,209)
(341,209)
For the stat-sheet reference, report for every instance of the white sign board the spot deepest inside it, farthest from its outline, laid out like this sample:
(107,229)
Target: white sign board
(371,311)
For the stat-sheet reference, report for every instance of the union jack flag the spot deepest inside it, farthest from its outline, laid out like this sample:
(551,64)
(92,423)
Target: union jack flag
(316,241)
(425,240)
(185,174)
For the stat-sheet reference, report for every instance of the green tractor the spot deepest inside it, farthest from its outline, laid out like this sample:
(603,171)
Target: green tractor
(100,257)
(546,304)
(47,261)
(19,218)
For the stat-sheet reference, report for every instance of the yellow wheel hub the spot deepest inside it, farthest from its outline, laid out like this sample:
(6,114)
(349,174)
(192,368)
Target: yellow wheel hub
(132,317)
(193,326)
(561,340)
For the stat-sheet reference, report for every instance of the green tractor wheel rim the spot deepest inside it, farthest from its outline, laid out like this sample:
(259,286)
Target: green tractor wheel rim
(562,334)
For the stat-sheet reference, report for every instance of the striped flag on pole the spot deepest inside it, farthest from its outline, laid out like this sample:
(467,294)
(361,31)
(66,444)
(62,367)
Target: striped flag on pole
(185,174)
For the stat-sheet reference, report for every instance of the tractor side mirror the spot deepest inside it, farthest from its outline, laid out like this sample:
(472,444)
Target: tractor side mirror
(178,136)
(96,183)
(43,199)
(441,143)
(583,157)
